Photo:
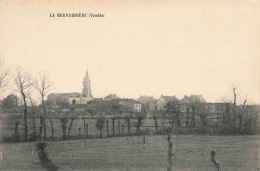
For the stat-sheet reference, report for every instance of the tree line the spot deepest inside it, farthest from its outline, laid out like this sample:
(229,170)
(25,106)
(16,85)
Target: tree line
(231,118)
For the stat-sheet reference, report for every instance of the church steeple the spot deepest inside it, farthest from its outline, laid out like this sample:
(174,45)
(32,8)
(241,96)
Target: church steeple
(86,86)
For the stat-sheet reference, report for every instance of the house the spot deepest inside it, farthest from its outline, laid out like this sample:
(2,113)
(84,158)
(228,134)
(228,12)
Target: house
(56,98)
(128,104)
(196,101)
(163,100)
(148,102)
(111,97)
(193,99)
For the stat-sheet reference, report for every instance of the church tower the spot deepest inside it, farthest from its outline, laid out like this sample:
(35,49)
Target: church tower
(86,87)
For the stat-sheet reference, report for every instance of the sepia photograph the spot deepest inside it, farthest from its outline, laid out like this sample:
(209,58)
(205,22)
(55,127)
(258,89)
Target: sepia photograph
(140,85)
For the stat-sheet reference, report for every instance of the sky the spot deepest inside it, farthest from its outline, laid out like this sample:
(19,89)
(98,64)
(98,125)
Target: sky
(139,48)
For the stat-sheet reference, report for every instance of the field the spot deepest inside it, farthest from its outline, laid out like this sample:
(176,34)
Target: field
(148,126)
(7,128)
(191,152)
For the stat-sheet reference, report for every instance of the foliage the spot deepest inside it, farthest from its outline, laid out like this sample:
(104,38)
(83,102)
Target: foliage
(64,126)
(173,113)
(100,124)
(10,102)
(43,157)
(33,136)
(138,124)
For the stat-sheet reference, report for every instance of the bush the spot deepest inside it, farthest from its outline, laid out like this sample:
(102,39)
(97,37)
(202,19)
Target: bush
(33,137)
(12,139)
(43,157)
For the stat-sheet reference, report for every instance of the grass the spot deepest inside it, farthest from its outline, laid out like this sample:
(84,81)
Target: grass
(191,152)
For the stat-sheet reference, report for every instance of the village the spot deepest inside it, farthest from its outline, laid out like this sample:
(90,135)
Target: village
(129,86)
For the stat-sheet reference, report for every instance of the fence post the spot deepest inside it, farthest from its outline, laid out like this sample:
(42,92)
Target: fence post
(118,125)
(87,130)
(144,139)
(107,128)
(79,133)
(123,127)
(84,128)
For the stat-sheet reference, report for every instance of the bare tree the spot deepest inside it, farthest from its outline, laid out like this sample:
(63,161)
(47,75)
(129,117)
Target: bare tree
(171,125)
(33,112)
(23,84)
(52,129)
(156,124)
(3,76)
(42,85)
(241,113)
(168,129)
(70,126)
(234,107)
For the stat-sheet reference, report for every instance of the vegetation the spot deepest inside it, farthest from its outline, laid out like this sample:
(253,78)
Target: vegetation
(64,126)
(100,125)
(10,103)
(42,85)
(43,157)
(231,118)
(23,84)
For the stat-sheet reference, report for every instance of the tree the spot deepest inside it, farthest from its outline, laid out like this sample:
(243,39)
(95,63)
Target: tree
(241,113)
(70,126)
(3,77)
(173,113)
(100,125)
(195,103)
(43,85)
(116,109)
(52,129)
(10,102)
(15,122)
(23,84)
(91,111)
(64,126)
(171,124)
(33,112)
(138,124)
(156,124)
(234,107)
(169,130)
(128,125)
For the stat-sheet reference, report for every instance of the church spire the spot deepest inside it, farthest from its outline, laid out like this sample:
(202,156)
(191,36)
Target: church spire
(86,86)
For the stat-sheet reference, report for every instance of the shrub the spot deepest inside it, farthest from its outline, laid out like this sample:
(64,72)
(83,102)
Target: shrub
(33,136)
(43,157)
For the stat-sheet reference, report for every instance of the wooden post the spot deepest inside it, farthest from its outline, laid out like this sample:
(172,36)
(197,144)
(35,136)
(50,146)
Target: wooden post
(79,133)
(113,123)
(107,128)
(144,139)
(87,130)
(1,155)
(123,127)
(84,128)
(128,126)
(118,125)
(156,125)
